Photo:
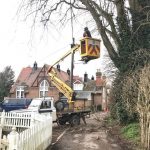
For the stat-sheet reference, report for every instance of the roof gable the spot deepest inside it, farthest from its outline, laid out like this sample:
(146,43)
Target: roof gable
(77,82)
(89,86)
(27,76)
(30,77)
(24,74)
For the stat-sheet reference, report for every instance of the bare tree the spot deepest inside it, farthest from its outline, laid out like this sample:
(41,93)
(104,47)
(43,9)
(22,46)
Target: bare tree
(125,22)
(108,67)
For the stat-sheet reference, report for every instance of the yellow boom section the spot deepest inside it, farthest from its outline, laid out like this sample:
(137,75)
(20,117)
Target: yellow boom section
(62,87)
(72,50)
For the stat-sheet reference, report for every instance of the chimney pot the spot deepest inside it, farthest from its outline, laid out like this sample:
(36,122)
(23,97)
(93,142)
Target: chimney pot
(85,77)
(98,73)
(58,67)
(99,81)
(92,78)
(35,66)
(68,71)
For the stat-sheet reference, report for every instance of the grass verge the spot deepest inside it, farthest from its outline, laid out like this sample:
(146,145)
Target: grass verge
(131,132)
(127,136)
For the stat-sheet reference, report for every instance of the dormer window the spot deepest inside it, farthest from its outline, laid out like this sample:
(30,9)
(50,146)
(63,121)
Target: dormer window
(43,89)
(20,92)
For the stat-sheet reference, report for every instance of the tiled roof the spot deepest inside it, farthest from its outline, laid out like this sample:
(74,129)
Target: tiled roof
(77,78)
(62,75)
(65,77)
(83,95)
(28,75)
(90,85)
(77,82)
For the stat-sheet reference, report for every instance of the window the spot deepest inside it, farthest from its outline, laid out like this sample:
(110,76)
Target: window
(45,104)
(43,89)
(20,92)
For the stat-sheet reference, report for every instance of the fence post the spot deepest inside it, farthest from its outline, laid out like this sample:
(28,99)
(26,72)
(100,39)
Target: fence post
(13,138)
(0,136)
(1,125)
(32,119)
(2,118)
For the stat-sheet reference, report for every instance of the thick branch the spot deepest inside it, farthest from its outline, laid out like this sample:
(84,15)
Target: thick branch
(112,53)
(109,18)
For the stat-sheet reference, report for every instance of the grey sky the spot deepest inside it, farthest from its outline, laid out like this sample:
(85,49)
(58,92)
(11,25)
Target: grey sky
(18,50)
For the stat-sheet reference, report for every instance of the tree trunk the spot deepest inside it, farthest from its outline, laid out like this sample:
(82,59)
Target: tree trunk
(145,126)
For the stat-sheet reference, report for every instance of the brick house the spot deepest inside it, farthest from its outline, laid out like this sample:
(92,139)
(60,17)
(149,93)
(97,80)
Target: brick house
(96,90)
(34,82)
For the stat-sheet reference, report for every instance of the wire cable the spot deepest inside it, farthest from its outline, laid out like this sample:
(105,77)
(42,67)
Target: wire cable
(72,27)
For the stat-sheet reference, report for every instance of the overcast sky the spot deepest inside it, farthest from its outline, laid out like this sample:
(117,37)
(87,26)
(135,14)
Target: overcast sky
(20,47)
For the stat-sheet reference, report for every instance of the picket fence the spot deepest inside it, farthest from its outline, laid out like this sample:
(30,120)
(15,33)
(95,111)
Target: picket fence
(20,120)
(29,131)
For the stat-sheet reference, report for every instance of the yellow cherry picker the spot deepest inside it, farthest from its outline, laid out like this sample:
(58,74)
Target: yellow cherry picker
(89,49)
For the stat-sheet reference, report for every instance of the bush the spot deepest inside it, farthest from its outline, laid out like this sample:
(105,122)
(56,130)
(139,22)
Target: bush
(131,132)
(124,97)
(109,121)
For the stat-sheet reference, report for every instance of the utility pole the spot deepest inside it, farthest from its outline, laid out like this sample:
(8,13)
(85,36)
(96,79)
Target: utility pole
(72,63)
(72,45)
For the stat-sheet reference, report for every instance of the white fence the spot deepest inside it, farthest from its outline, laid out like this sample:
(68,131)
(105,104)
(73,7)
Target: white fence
(38,136)
(20,120)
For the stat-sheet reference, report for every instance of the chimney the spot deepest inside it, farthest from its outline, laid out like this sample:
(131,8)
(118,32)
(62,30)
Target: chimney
(98,78)
(104,80)
(92,78)
(35,66)
(58,67)
(85,77)
(68,71)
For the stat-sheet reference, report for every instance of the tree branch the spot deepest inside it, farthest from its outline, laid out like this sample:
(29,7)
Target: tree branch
(109,18)
(112,53)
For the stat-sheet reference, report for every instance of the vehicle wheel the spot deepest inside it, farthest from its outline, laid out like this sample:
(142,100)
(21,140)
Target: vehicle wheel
(59,105)
(75,120)
(61,122)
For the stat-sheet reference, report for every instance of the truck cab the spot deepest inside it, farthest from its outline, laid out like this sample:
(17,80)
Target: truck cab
(43,106)
(46,107)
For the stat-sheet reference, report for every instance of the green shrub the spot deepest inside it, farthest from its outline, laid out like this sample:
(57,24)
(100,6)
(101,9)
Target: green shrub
(131,132)
(109,121)
(123,99)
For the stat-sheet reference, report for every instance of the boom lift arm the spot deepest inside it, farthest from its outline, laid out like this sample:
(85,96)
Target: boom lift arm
(89,49)
(62,87)
(75,48)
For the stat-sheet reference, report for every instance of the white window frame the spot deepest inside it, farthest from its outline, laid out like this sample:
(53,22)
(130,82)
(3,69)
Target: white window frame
(44,85)
(20,92)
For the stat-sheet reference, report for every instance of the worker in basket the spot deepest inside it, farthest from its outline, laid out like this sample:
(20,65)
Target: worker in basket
(86,32)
